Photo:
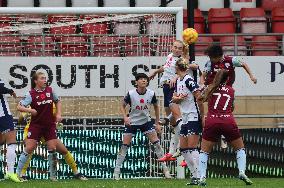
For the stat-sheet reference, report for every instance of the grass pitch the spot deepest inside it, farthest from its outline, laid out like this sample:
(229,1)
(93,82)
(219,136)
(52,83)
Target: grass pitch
(144,183)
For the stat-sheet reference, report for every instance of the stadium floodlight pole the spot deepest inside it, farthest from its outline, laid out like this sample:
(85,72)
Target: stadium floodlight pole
(178,11)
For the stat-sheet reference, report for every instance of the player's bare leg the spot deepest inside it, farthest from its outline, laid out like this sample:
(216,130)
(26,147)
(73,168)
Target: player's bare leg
(159,151)
(239,148)
(121,155)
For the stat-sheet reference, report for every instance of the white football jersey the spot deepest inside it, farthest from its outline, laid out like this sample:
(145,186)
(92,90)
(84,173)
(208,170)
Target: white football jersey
(4,107)
(169,68)
(189,108)
(140,105)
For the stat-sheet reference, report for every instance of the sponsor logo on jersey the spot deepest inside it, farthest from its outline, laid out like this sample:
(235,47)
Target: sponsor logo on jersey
(145,107)
(48,94)
(44,102)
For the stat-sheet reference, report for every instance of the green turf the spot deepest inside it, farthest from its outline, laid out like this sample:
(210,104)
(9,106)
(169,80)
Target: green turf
(143,183)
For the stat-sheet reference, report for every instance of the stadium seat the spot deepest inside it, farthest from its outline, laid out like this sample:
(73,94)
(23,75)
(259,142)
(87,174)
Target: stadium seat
(4,24)
(85,3)
(159,25)
(10,45)
(61,18)
(29,18)
(205,5)
(253,20)
(268,5)
(228,45)
(199,22)
(131,27)
(21,3)
(163,45)
(221,20)
(264,46)
(73,46)
(60,31)
(5,18)
(278,20)
(202,44)
(48,3)
(106,44)
(236,5)
(135,46)
(95,28)
(40,46)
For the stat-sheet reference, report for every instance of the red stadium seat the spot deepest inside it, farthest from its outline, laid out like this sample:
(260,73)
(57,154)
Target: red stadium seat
(5,25)
(95,28)
(40,46)
(278,20)
(73,46)
(265,45)
(61,31)
(253,20)
(10,45)
(221,20)
(228,45)
(199,21)
(61,18)
(164,45)
(202,44)
(107,44)
(268,5)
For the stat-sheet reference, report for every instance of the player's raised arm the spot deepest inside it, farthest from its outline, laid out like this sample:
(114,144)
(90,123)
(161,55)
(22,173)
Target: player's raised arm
(157,71)
(238,63)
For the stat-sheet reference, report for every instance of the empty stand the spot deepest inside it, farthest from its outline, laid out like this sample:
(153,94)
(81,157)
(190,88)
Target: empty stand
(107,45)
(270,4)
(228,45)
(265,46)
(73,46)
(202,44)
(253,20)
(10,46)
(221,20)
(199,21)
(40,46)
(278,20)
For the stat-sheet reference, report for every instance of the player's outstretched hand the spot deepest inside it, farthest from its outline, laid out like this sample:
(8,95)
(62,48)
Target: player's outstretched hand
(173,82)
(254,80)
(33,112)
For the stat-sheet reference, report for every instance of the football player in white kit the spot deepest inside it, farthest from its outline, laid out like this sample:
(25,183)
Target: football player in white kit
(138,118)
(8,132)
(187,96)
(168,82)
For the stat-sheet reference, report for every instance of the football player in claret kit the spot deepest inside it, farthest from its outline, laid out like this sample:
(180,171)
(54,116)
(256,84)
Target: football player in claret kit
(220,121)
(8,132)
(60,148)
(192,110)
(219,61)
(43,122)
(138,118)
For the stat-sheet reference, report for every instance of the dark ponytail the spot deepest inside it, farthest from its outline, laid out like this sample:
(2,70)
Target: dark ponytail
(220,78)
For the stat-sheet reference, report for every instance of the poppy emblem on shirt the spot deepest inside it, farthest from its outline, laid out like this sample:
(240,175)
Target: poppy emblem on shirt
(142,101)
(42,96)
